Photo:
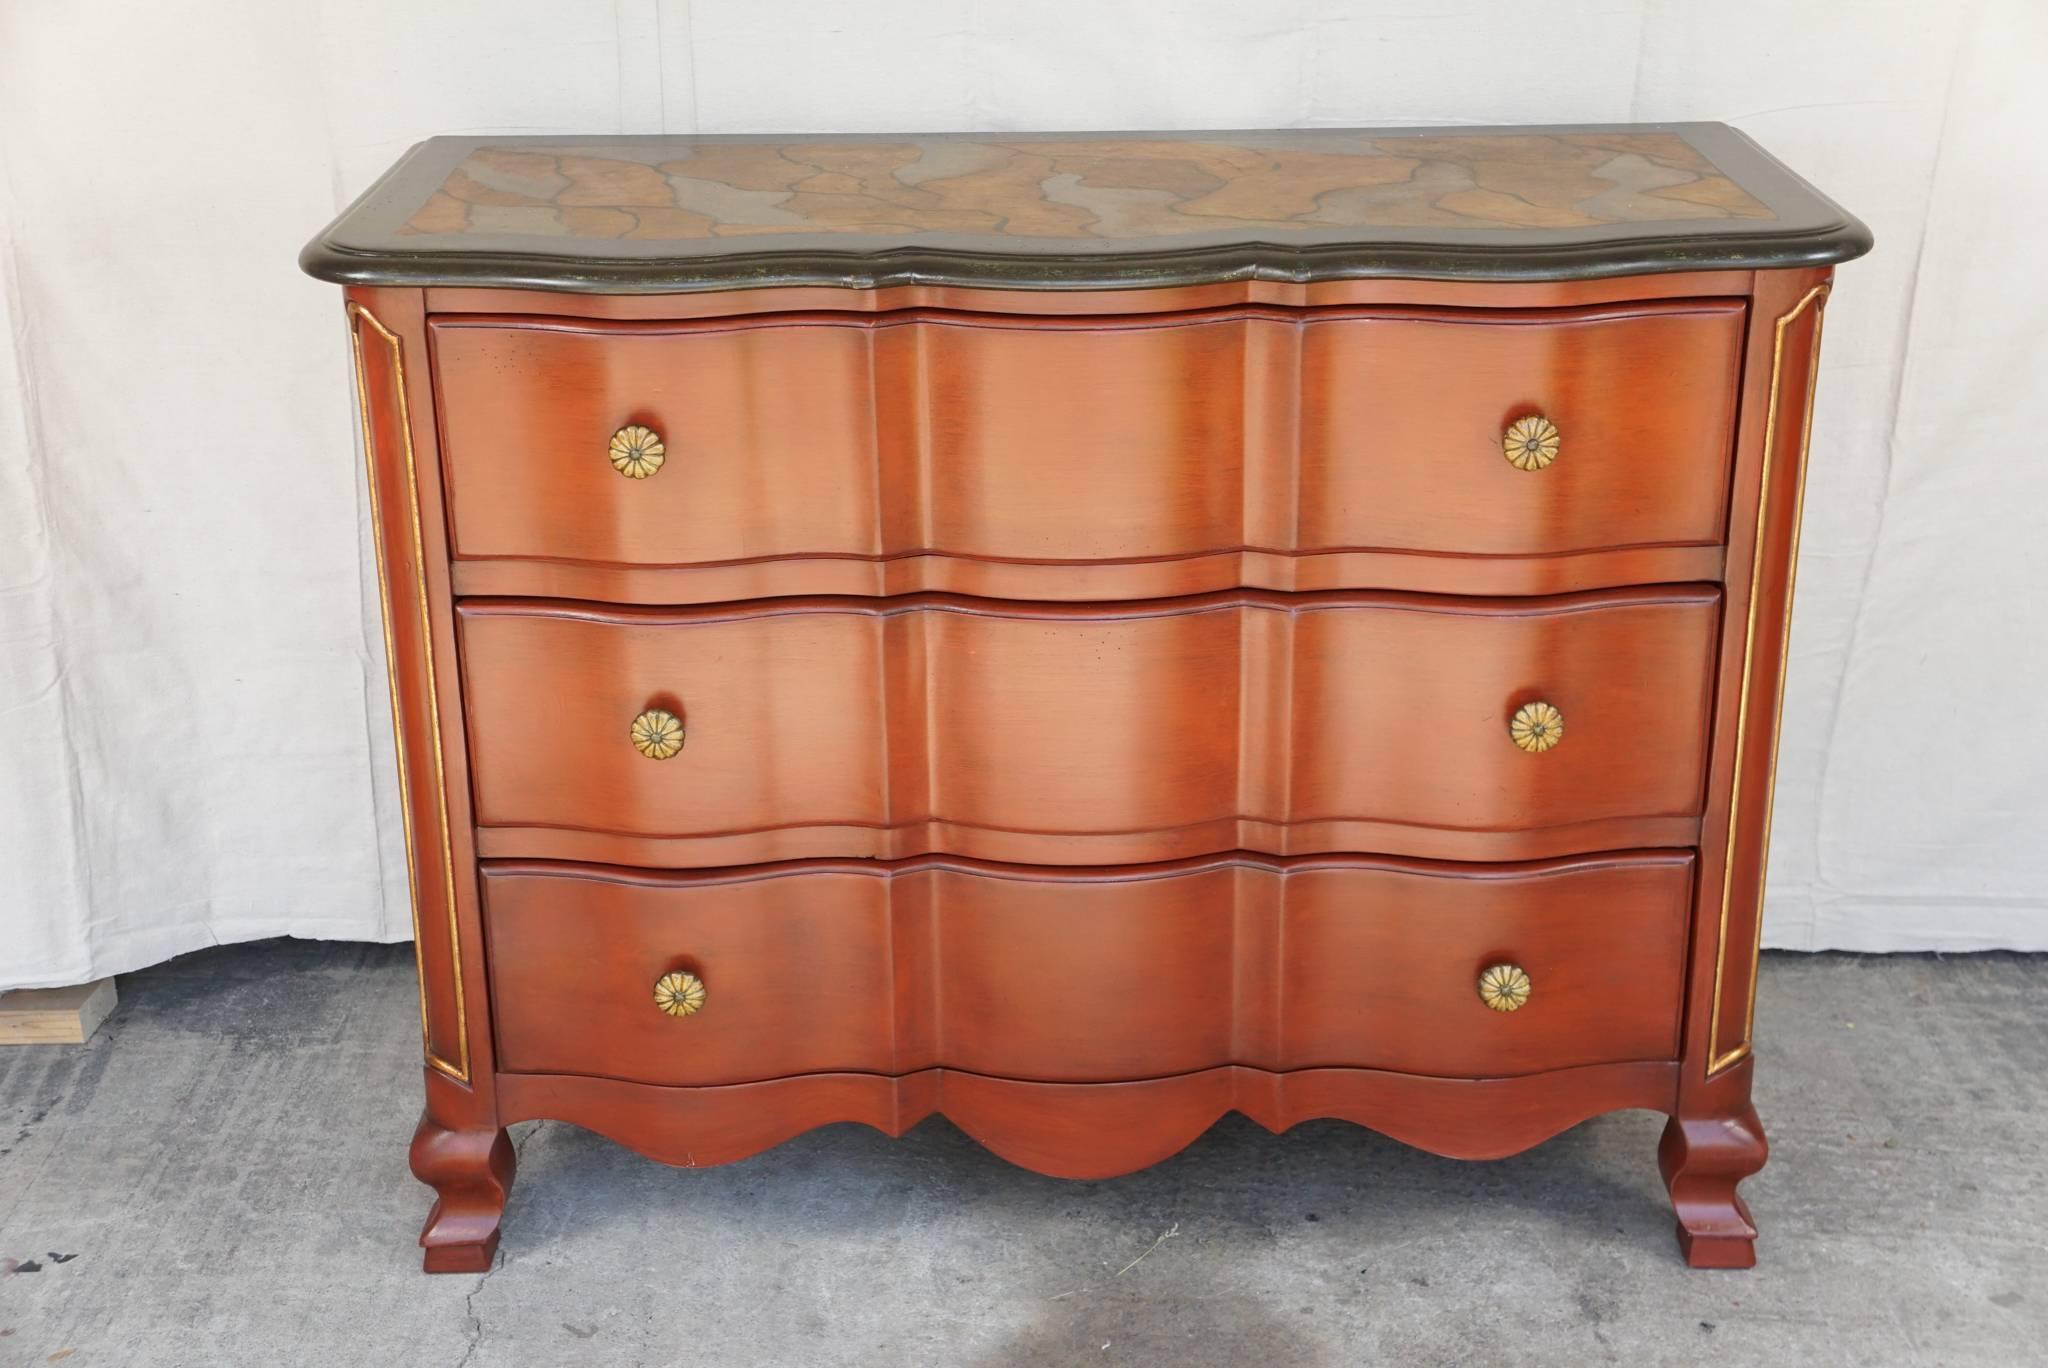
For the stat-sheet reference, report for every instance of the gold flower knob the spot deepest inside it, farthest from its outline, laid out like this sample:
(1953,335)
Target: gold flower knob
(657,734)
(1504,987)
(1536,727)
(637,452)
(1530,443)
(679,994)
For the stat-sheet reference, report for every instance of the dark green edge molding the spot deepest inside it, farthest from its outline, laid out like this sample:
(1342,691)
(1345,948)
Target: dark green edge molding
(362,247)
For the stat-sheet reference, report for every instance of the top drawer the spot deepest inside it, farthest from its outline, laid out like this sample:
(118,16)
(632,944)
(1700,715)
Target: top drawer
(1095,457)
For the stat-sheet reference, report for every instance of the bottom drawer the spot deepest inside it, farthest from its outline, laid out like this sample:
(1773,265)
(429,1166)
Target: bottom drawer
(1087,975)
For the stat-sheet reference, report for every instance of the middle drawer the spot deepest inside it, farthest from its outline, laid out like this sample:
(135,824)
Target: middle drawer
(1090,734)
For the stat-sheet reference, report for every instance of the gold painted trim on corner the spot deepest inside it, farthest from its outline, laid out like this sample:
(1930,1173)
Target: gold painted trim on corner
(458,1071)
(1816,297)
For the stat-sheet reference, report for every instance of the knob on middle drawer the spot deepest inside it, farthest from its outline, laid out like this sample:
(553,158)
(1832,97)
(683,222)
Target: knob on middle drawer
(657,734)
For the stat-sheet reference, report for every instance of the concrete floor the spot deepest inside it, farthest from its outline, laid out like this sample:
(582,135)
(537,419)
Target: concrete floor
(219,1178)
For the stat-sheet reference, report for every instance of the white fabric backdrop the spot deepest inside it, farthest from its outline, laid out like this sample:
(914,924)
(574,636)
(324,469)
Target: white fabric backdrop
(194,739)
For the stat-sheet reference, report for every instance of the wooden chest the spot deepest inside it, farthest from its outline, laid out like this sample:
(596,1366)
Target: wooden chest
(1084,633)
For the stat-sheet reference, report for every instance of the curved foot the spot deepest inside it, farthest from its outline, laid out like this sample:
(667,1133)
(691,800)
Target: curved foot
(470,1172)
(1702,1160)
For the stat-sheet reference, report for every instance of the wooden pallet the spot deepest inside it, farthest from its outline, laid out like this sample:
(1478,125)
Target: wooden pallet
(55,1016)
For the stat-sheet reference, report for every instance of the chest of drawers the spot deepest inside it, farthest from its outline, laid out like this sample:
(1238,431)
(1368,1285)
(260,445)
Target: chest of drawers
(1085,633)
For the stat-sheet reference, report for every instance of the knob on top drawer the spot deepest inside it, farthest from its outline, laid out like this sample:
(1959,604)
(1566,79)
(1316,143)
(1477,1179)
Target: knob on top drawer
(637,452)
(1536,727)
(1531,442)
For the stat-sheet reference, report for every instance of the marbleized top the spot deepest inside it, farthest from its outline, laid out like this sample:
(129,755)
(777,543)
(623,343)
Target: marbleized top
(661,212)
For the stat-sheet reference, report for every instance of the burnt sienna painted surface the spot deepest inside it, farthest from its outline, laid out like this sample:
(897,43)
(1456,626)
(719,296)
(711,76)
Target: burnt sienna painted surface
(663,213)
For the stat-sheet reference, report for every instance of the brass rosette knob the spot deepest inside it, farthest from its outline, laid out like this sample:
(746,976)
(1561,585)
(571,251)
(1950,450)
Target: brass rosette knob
(657,734)
(1536,727)
(1530,443)
(637,452)
(1505,987)
(679,994)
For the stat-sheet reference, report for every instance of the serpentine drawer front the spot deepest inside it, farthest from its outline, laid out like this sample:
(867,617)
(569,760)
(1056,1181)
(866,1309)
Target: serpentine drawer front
(970,443)
(1091,733)
(1082,633)
(1089,976)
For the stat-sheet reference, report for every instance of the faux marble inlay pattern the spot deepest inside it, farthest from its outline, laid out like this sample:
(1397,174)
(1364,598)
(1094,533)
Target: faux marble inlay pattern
(1109,188)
